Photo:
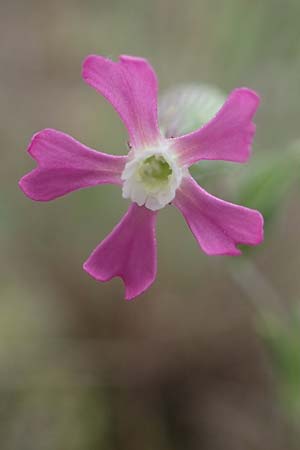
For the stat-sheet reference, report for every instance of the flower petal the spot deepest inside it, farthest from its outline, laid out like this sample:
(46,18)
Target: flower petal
(130,85)
(217,225)
(228,136)
(129,252)
(65,165)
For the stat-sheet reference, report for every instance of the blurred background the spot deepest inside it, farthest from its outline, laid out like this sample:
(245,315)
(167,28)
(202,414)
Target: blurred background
(209,357)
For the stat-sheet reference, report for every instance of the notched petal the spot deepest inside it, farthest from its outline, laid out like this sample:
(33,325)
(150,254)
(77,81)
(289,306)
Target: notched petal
(65,165)
(228,136)
(128,252)
(130,85)
(218,226)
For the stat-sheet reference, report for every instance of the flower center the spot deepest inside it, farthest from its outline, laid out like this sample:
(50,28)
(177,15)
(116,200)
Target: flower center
(154,171)
(151,177)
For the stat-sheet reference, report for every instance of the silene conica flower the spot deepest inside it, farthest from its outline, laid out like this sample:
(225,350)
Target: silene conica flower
(154,174)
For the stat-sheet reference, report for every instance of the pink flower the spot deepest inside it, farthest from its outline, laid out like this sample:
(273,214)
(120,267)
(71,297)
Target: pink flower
(154,173)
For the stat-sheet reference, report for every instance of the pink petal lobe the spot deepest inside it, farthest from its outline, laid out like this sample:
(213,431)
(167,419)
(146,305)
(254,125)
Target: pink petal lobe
(129,252)
(65,165)
(228,136)
(217,225)
(130,85)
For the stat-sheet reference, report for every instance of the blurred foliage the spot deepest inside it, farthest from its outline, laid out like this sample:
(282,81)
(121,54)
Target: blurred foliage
(61,418)
(269,181)
(283,339)
(182,367)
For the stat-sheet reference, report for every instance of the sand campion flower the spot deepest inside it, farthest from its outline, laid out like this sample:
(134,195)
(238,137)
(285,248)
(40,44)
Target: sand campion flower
(154,173)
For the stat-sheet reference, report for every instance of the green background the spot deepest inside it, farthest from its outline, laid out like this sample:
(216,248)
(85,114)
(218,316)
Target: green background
(207,358)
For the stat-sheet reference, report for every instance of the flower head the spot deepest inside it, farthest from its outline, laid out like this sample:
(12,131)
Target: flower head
(152,176)
(154,173)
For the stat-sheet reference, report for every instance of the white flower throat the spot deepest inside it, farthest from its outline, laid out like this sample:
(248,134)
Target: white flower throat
(151,177)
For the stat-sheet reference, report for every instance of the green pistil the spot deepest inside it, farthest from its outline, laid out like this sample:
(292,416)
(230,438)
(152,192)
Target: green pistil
(155,171)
